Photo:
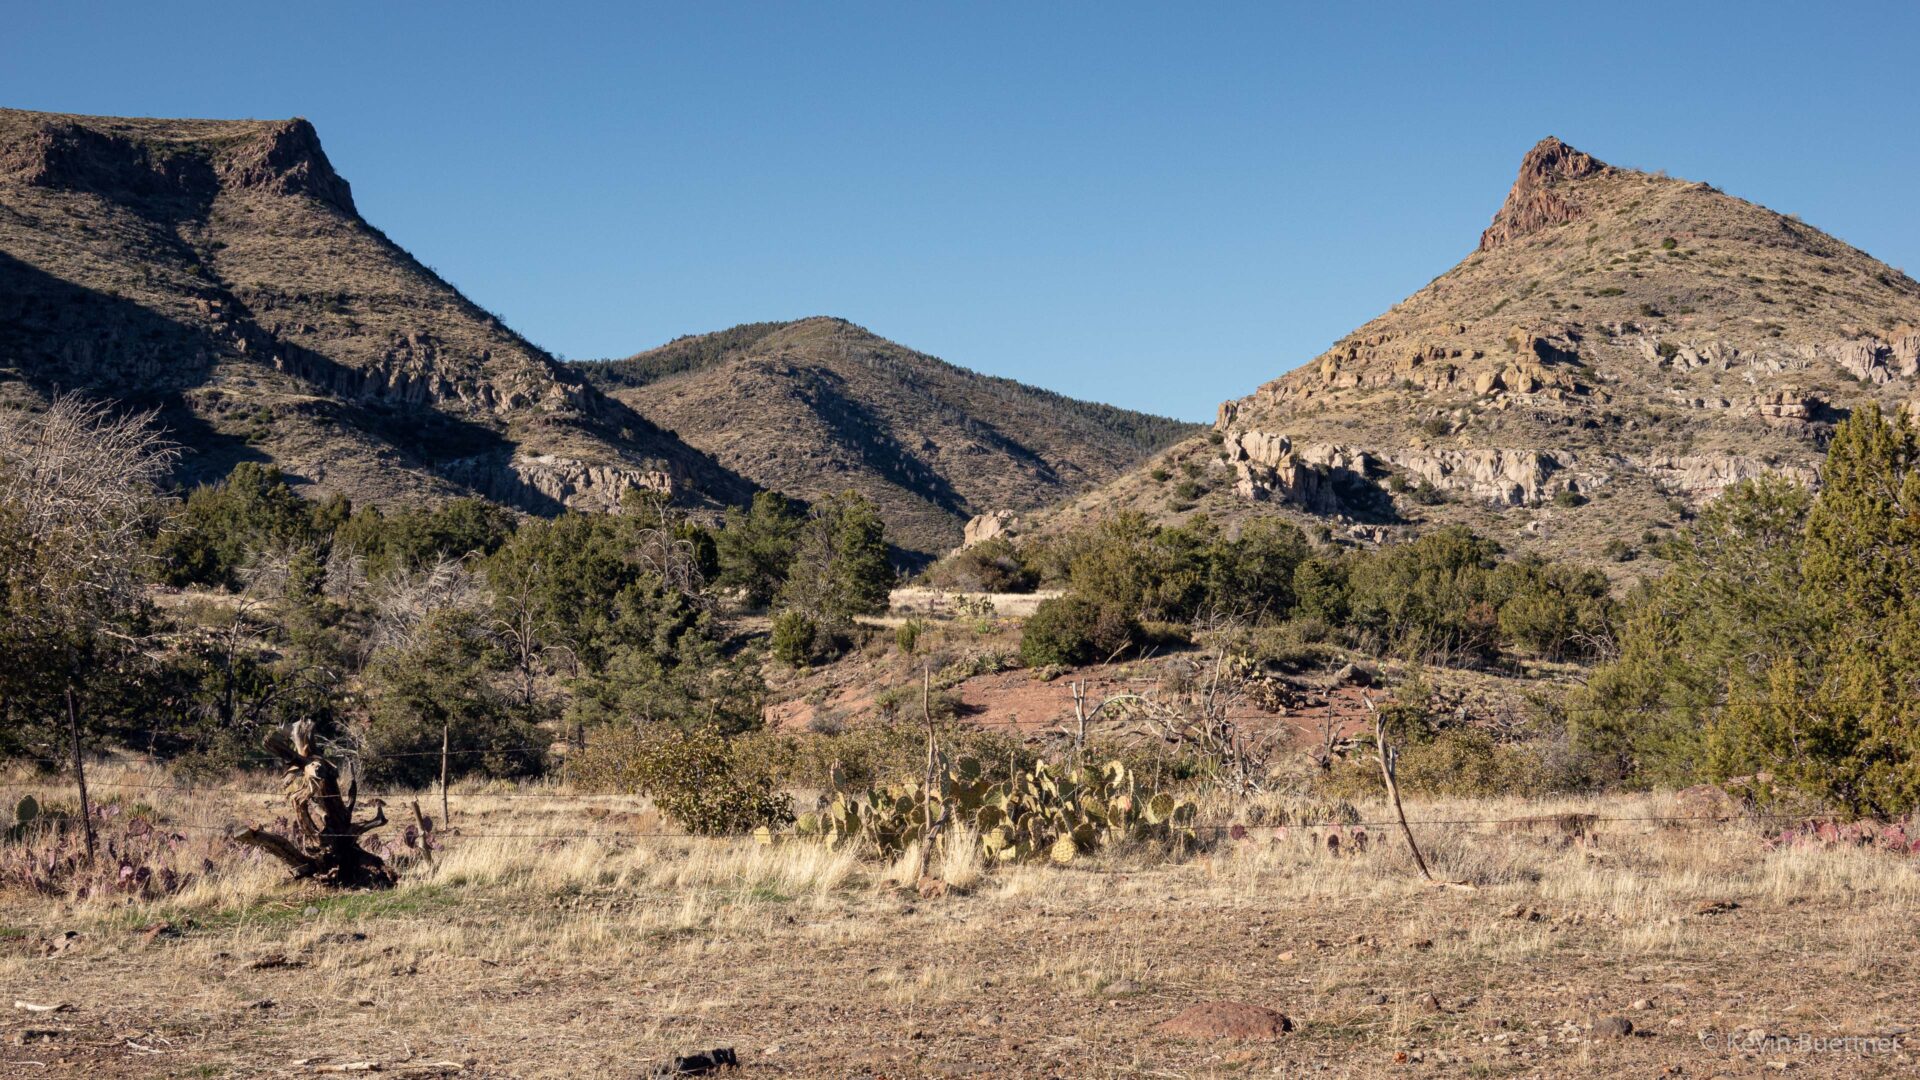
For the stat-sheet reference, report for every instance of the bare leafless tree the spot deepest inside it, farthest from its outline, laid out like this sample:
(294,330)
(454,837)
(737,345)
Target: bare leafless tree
(535,642)
(1202,714)
(404,600)
(672,558)
(346,574)
(78,497)
(1087,712)
(78,483)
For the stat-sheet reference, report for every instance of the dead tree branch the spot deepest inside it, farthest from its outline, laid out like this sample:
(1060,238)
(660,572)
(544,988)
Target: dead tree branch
(328,845)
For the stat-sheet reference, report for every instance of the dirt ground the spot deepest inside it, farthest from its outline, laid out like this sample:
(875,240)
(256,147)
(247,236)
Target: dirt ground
(560,937)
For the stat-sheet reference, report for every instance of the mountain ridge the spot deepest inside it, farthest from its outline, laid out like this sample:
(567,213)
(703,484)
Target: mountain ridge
(218,269)
(812,406)
(1618,342)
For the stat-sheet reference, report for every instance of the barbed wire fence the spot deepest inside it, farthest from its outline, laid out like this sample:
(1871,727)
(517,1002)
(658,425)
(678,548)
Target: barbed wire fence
(1237,829)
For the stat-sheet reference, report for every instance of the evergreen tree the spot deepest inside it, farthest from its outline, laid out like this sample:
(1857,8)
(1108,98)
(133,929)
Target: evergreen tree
(755,549)
(840,566)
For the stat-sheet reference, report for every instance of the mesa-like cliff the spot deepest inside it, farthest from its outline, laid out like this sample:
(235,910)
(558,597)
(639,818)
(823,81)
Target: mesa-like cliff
(219,271)
(819,406)
(1620,347)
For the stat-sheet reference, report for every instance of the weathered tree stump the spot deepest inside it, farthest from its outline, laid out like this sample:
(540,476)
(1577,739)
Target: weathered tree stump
(327,847)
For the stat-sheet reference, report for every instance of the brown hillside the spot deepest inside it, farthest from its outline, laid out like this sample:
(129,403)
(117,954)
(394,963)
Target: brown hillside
(218,270)
(1621,344)
(820,405)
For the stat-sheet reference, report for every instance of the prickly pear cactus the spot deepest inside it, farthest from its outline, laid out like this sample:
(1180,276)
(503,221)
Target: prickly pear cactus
(25,814)
(1047,812)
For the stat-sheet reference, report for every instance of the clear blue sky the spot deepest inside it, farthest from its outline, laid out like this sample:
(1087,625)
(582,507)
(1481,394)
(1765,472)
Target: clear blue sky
(1157,205)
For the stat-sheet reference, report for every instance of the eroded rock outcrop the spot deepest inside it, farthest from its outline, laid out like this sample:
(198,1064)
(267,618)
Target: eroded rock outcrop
(983,527)
(282,157)
(1533,204)
(547,481)
(1702,476)
(1268,468)
(1872,360)
(286,159)
(1789,404)
(1513,477)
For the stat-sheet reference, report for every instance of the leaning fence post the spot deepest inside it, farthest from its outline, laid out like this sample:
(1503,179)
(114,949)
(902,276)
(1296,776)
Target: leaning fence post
(445,817)
(80,770)
(1388,758)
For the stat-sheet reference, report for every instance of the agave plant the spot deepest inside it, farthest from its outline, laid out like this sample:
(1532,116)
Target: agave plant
(1045,813)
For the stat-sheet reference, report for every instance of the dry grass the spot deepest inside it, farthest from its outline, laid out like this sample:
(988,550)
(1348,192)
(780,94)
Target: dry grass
(519,955)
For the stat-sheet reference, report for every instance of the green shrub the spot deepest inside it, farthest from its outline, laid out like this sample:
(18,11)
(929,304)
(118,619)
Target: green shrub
(796,638)
(993,565)
(840,567)
(695,778)
(755,548)
(1296,645)
(224,525)
(1458,763)
(906,636)
(874,752)
(1073,630)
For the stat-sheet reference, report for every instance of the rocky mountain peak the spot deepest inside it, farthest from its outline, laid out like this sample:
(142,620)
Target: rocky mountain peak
(1533,204)
(1622,347)
(129,158)
(286,158)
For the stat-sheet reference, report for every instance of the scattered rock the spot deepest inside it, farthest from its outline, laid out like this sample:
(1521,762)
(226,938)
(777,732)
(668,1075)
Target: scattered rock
(26,1036)
(156,931)
(1227,1020)
(1612,1027)
(1707,801)
(1352,675)
(273,961)
(701,1064)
